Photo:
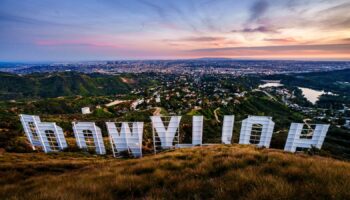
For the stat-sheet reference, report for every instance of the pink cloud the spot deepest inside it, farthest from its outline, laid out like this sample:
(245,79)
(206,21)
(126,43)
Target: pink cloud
(78,42)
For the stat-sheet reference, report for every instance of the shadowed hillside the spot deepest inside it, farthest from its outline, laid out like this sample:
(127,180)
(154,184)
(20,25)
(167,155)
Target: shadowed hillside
(47,85)
(220,172)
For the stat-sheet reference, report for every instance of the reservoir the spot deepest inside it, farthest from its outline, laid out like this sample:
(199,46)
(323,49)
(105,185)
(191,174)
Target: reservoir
(311,95)
(274,84)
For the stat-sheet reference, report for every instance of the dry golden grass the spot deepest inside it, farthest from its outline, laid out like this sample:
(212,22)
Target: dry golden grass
(220,172)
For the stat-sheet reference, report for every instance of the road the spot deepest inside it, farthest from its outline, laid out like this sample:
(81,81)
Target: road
(266,93)
(157,111)
(116,102)
(216,115)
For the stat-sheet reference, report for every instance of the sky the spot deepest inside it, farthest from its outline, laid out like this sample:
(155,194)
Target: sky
(79,30)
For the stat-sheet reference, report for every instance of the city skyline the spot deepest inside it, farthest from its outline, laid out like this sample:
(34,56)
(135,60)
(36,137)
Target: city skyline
(104,30)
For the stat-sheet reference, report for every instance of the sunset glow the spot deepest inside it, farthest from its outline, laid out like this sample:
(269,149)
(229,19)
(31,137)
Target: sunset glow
(153,29)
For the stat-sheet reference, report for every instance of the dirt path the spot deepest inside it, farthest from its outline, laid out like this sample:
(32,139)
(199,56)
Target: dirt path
(116,102)
(127,80)
(157,111)
(216,115)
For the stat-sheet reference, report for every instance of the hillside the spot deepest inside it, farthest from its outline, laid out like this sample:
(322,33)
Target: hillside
(335,81)
(220,172)
(46,85)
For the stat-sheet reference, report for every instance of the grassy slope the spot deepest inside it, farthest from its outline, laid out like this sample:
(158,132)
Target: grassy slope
(222,172)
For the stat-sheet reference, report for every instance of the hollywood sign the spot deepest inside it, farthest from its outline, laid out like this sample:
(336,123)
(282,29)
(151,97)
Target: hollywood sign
(127,136)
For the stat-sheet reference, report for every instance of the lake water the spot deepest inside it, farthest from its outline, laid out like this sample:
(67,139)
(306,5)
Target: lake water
(265,85)
(311,95)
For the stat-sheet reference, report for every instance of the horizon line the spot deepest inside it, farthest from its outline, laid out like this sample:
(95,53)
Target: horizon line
(174,59)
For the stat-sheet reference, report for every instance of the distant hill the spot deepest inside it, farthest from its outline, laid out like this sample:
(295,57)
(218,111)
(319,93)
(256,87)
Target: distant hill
(336,81)
(214,172)
(9,64)
(46,85)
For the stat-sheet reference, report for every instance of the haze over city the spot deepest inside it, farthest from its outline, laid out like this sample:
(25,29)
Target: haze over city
(144,29)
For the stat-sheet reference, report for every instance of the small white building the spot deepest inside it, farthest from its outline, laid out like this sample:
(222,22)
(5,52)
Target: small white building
(136,103)
(347,124)
(158,99)
(85,110)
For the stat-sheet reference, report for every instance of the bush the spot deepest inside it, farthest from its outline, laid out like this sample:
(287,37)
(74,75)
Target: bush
(17,145)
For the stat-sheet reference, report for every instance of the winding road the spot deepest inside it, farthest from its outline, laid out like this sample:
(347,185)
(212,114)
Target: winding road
(157,111)
(216,115)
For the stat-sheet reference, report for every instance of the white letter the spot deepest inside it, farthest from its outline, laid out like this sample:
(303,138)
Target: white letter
(257,130)
(166,136)
(52,137)
(89,136)
(47,135)
(295,132)
(29,123)
(197,130)
(125,139)
(227,129)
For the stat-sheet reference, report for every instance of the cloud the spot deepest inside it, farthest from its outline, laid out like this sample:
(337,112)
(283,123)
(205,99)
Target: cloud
(316,47)
(203,39)
(6,17)
(298,6)
(337,22)
(346,40)
(17,20)
(258,9)
(261,29)
(198,39)
(280,40)
(80,42)
(208,41)
(291,4)
(316,52)
(158,9)
(344,7)
(335,17)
